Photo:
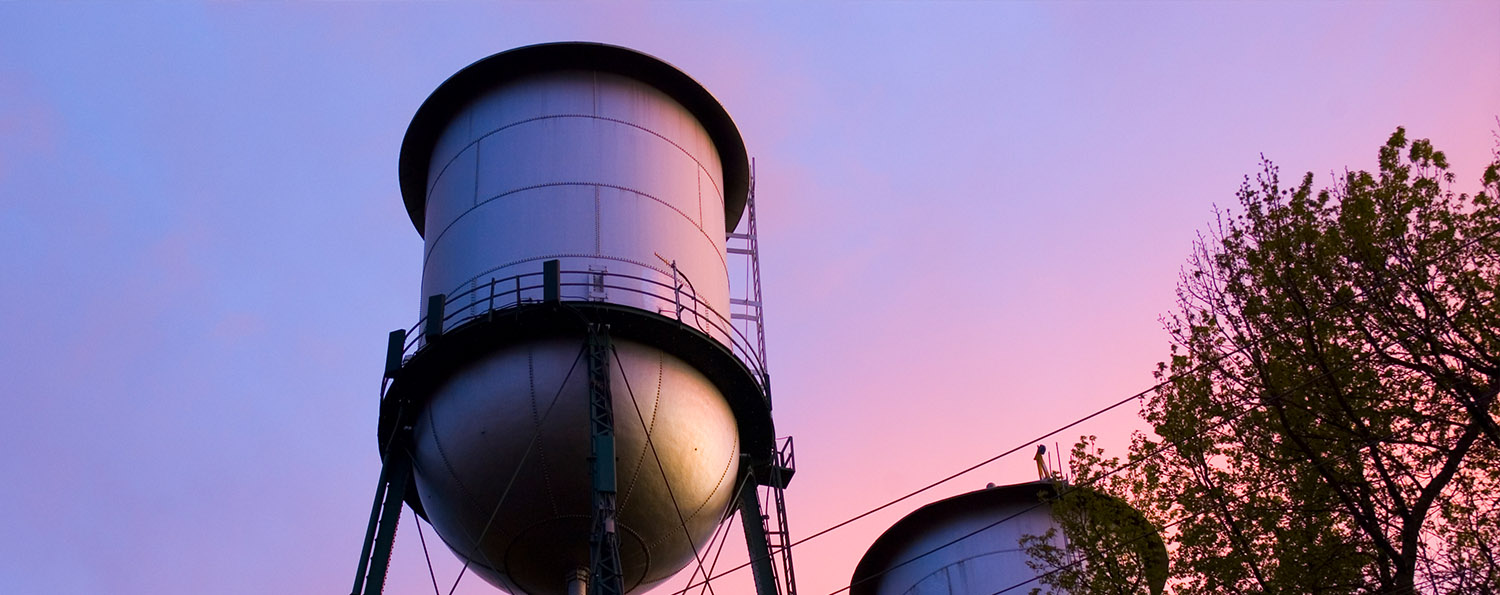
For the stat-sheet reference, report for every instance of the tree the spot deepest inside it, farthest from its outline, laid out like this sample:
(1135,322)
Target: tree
(1107,547)
(1327,421)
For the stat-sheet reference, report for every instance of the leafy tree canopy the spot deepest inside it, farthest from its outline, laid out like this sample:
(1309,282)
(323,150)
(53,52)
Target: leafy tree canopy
(1328,417)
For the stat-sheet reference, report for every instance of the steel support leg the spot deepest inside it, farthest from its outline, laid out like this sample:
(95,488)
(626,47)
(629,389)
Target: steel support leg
(754,522)
(605,576)
(375,556)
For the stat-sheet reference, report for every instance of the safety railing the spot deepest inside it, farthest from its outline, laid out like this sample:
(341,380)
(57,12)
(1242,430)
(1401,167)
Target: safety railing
(673,296)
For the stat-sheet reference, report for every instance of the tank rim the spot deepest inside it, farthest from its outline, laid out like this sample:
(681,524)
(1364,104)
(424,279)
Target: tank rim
(912,526)
(424,372)
(453,94)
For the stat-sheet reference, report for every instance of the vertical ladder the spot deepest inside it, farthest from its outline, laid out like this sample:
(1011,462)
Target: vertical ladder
(780,537)
(748,244)
(763,510)
(766,532)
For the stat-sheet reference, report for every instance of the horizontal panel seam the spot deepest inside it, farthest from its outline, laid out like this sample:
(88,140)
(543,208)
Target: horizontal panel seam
(669,141)
(432,246)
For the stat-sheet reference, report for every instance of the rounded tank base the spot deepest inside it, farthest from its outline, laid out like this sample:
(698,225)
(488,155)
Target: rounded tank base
(508,436)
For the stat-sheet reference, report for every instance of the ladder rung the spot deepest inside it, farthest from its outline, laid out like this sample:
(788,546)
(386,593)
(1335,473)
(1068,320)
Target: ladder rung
(745,251)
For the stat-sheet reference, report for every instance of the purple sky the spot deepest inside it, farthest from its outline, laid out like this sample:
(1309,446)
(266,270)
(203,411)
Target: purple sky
(972,216)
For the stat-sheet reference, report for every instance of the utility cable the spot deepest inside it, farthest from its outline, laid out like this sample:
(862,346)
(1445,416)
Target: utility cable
(728,524)
(1155,531)
(1133,463)
(1096,555)
(721,536)
(1128,465)
(1170,380)
(939,482)
(1160,449)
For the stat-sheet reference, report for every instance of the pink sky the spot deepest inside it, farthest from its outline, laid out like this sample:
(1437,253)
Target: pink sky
(972,216)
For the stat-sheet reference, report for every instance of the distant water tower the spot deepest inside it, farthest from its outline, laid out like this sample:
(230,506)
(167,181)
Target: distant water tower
(584,400)
(971,544)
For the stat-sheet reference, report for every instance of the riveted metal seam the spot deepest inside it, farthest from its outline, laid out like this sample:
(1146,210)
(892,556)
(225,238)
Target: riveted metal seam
(537,421)
(432,246)
(433,184)
(443,455)
(640,460)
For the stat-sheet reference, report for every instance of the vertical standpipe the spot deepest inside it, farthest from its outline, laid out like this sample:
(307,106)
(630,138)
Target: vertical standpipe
(627,176)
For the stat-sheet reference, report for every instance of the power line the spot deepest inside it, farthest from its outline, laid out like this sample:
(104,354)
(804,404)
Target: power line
(1136,461)
(1160,385)
(1132,463)
(1431,579)
(1170,380)
(1162,448)
(721,536)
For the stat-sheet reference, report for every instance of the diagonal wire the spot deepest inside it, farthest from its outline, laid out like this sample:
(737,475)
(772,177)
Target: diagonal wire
(725,524)
(651,444)
(1158,450)
(1133,463)
(719,538)
(944,480)
(728,523)
(1170,380)
(430,571)
(469,559)
(1121,546)
(1161,448)
(1157,531)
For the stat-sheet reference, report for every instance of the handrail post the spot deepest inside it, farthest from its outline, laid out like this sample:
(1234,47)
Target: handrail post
(395,347)
(551,281)
(697,317)
(434,322)
(676,292)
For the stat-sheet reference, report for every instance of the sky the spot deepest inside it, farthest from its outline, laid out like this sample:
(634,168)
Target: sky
(972,216)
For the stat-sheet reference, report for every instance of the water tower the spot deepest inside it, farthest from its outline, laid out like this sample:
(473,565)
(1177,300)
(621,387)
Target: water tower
(584,400)
(971,544)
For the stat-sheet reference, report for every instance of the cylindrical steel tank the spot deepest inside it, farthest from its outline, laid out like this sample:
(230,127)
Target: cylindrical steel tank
(629,174)
(970,544)
(599,170)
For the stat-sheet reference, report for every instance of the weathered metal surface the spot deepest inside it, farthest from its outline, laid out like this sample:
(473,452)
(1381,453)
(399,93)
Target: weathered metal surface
(915,556)
(594,169)
(627,174)
(512,415)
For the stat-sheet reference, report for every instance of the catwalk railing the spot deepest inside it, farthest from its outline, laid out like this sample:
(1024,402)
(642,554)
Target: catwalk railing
(670,296)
